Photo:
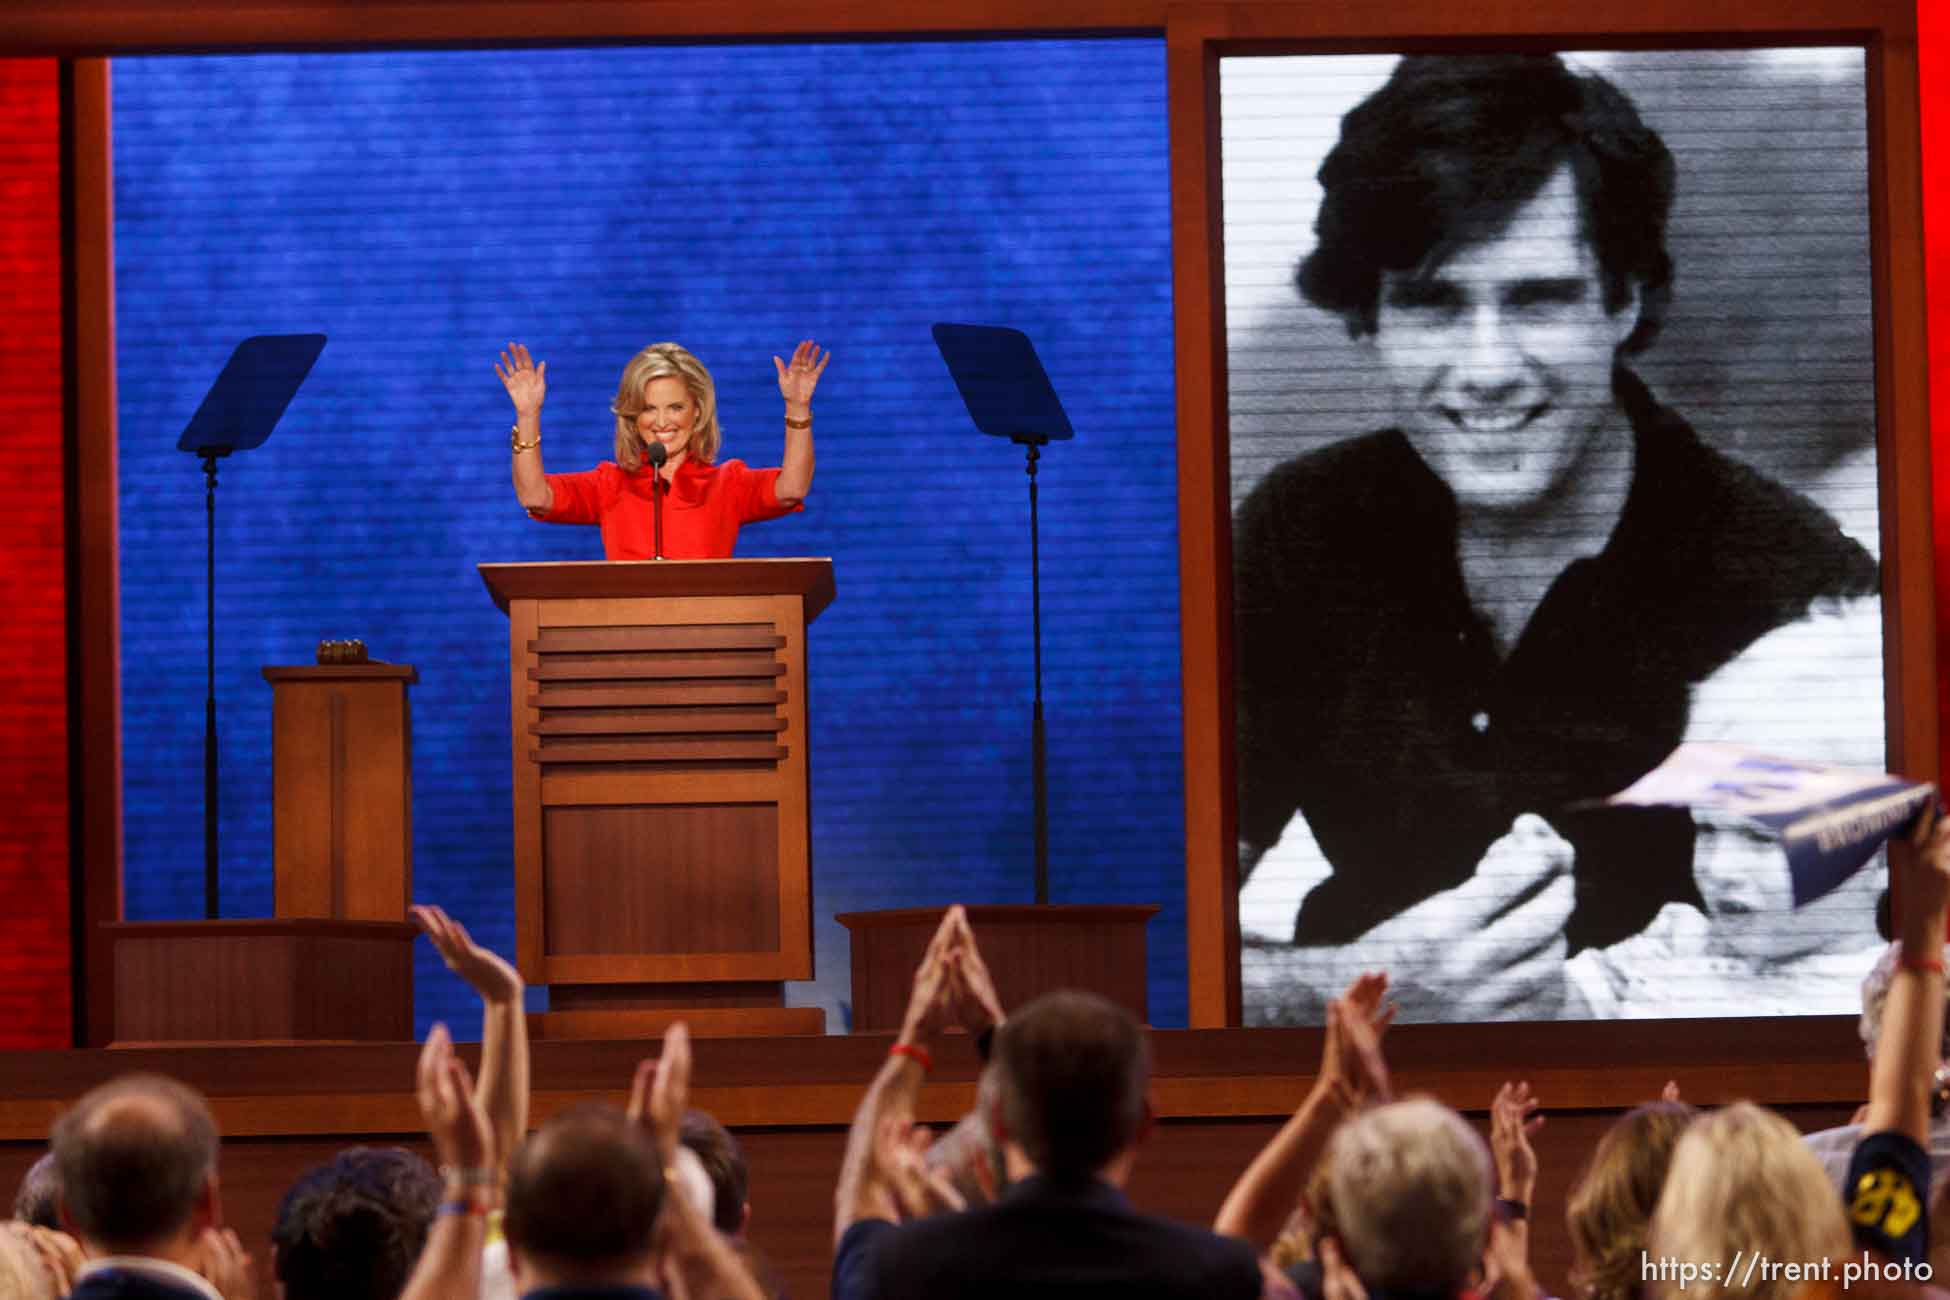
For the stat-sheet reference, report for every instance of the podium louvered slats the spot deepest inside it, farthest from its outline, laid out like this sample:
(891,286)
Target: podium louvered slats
(624,722)
(694,693)
(719,636)
(682,692)
(554,668)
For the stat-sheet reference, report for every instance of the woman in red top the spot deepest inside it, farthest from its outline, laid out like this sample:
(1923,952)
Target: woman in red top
(665,396)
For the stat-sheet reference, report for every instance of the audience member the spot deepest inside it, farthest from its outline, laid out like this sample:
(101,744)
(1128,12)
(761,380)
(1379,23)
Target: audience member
(1888,1182)
(588,1212)
(709,1148)
(584,1194)
(1612,1203)
(137,1161)
(1408,1198)
(724,1164)
(353,1228)
(1072,1072)
(1741,1184)
(39,1199)
(1834,1146)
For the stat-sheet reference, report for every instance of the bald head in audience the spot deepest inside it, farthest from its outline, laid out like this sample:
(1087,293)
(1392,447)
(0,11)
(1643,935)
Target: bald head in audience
(137,1160)
(583,1196)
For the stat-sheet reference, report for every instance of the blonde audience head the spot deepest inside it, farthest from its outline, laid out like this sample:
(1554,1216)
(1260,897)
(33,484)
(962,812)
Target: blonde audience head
(1742,1180)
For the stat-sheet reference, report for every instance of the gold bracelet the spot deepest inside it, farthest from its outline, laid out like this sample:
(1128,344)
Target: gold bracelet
(791,423)
(514,440)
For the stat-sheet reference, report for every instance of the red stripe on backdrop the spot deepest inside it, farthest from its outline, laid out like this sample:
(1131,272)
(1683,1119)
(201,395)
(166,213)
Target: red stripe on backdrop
(34,942)
(1933,66)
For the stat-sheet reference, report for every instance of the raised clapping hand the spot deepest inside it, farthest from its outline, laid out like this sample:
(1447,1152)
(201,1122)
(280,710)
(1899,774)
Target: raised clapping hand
(662,1090)
(1350,1057)
(1926,885)
(527,382)
(226,1265)
(919,1189)
(977,1001)
(59,1253)
(1513,1121)
(797,378)
(932,1001)
(485,971)
(455,1121)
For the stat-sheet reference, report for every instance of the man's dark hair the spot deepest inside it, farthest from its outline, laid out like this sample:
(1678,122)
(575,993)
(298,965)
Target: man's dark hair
(353,1227)
(1445,153)
(133,1156)
(724,1162)
(1072,1069)
(584,1191)
(39,1199)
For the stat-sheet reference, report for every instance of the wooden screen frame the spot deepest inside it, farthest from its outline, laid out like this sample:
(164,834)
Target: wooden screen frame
(1197,37)
(86,31)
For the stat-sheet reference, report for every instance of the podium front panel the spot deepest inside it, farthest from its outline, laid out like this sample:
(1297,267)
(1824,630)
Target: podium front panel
(661,822)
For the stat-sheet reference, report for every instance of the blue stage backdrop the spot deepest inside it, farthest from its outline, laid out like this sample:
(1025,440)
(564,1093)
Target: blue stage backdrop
(424,208)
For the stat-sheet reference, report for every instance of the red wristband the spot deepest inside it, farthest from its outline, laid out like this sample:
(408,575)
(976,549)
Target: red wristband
(1933,964)
(918,1054)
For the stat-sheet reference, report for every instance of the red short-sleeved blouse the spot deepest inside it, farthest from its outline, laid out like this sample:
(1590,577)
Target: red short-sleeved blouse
(703,507)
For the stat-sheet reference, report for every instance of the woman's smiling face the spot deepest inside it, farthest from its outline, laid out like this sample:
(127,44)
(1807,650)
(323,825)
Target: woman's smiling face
(669,415)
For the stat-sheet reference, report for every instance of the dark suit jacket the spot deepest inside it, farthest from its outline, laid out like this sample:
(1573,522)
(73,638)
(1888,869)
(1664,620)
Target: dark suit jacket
(1043,1239)
(116,1284)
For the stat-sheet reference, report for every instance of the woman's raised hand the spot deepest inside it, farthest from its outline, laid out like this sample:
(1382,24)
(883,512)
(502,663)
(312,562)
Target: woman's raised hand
(525,381)
(800,376)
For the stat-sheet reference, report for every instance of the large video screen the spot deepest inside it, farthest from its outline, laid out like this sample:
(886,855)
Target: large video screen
(1553,446)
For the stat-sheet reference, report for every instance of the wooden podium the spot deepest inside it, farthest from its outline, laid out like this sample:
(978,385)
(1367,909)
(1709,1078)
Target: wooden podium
(336,963)
(662,830)
(342,790)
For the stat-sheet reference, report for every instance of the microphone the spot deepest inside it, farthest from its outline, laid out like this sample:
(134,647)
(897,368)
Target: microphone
(656,453)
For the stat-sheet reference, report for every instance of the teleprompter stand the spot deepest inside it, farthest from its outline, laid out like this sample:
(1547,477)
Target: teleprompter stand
(1033,948)
(237,414)
(1009,395)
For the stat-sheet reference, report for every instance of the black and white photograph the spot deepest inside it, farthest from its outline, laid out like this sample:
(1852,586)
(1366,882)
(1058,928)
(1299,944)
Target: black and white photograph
(1553,447)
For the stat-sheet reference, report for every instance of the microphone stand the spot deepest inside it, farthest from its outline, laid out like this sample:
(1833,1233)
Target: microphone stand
(656,454)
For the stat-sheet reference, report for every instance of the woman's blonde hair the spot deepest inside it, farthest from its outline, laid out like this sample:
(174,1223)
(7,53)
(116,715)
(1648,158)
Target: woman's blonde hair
(1614,1200)
(665,361)
(1743,1182)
